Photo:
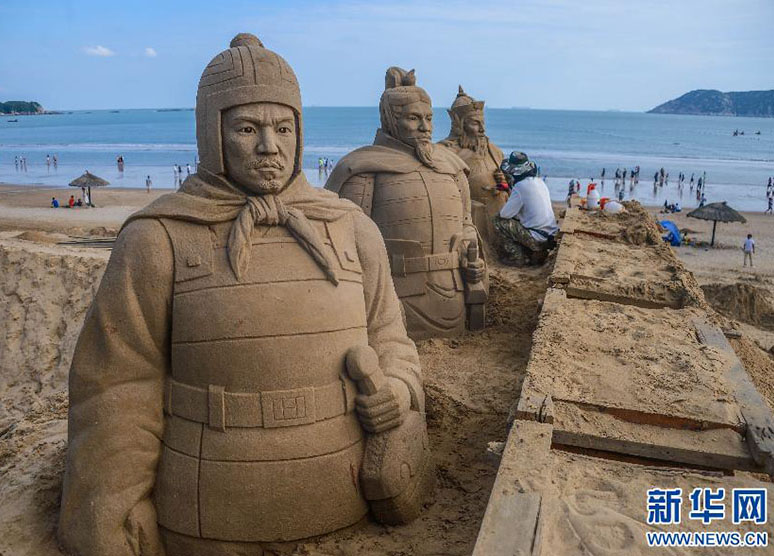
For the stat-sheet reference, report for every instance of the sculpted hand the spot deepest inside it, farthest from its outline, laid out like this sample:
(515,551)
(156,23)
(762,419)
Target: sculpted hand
(385,409)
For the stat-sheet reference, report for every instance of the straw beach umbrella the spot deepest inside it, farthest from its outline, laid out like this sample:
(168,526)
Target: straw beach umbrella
(717,212)
(87,181)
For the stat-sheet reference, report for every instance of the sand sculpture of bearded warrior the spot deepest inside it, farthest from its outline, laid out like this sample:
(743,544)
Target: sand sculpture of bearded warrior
(417,193)
(244,376)
(468,139)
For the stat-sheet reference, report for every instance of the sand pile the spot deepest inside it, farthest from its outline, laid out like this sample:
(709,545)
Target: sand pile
(743,302)
(470,383)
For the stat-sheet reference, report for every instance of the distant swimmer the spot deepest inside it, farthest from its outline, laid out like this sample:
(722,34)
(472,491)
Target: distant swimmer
(148,184)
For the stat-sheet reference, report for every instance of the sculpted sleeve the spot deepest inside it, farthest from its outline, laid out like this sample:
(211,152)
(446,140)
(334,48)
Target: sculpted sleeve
(116,391)
(464,187)
(360,190)
(386,332)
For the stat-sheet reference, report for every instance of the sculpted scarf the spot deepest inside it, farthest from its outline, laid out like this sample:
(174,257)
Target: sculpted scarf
(206,198)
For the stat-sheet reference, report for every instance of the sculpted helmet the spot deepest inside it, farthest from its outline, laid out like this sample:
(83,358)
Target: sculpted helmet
(463,105)
(243,74)
(399,90)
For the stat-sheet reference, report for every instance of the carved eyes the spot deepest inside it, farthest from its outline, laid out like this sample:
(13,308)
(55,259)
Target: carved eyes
(250,130)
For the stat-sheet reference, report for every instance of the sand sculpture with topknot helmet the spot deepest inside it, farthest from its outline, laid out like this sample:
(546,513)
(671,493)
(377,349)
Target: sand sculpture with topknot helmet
(418,195)
(468,139)
(244,376)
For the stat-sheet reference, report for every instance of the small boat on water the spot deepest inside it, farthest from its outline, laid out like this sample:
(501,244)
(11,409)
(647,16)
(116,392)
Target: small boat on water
(13,121)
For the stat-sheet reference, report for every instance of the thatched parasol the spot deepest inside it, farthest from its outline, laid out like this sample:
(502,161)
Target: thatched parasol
(717,212)
(87,181)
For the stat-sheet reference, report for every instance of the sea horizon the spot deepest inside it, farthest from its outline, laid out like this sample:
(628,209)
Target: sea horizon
(564,143)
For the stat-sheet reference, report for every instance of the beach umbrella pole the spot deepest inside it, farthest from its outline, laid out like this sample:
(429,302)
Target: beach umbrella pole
(714,225)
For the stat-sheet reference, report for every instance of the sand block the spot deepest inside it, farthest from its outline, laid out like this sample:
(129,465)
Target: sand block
(646,365)
(633,226)
(642,275)
(552,501)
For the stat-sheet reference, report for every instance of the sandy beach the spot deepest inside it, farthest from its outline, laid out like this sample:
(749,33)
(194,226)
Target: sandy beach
(471,381)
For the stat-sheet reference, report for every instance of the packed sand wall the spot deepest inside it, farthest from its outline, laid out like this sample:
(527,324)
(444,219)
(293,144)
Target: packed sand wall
(46,291)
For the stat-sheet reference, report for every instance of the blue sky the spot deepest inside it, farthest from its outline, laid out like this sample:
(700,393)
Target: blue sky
(590,54)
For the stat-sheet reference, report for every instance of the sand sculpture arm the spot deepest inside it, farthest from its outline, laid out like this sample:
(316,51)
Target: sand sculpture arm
(116,392)
(360,190)
(386,332)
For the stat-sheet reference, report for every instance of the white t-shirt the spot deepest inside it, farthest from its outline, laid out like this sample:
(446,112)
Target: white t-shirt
(749,245)
(530,202)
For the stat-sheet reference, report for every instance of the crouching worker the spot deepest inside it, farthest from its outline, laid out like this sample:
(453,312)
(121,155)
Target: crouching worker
(526,226)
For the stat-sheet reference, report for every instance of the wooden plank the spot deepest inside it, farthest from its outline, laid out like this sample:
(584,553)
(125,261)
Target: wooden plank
(512,522)
(755,411)
(587,427)
(578,291)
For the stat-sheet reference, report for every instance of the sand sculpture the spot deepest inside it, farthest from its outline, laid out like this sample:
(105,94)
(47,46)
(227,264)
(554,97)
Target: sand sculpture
(468,139)
(244,376)
(417,193)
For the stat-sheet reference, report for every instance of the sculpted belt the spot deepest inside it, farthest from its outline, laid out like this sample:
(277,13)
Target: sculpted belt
(442,261)
(268,409)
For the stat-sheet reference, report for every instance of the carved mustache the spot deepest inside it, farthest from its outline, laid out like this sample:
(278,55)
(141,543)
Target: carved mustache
(265,163)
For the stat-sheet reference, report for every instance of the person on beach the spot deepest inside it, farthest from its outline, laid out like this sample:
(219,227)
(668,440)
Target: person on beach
(71,202)
(526,224)
(16,164)
(570,193)
(56,161)
(148,184)
(702,201)
(602,175)
(175,174)
(187,169)
(770,209)
(655,179)
(48,161)
(749,249)
(54,203)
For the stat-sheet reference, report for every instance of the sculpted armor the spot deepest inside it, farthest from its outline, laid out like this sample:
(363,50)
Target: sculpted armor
(283,402)
(422,209)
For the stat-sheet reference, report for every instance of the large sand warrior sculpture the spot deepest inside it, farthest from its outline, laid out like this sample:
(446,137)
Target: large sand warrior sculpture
(244,375)
(418,195)
(468,139)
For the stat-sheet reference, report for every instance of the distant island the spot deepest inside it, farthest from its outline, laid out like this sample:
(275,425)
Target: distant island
(710,102)
(21,108)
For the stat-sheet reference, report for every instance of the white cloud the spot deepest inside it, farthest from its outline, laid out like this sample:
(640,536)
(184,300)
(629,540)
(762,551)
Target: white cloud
(98,50)
(150,52)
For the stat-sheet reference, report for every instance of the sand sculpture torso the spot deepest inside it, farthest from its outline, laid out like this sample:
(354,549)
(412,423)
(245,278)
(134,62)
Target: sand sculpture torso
(417,193)
(468,140)
(258,335)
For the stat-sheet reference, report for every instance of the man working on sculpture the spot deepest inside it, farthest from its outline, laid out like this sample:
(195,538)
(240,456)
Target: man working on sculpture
(526,225)
(214,406)
(418,195)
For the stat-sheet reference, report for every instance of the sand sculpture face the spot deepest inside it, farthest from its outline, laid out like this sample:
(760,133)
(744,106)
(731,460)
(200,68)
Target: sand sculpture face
(259,146)
(474,132)
(262,387)
(418,195)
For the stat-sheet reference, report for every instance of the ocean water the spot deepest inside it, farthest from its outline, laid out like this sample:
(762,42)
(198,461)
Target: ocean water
(564,144)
